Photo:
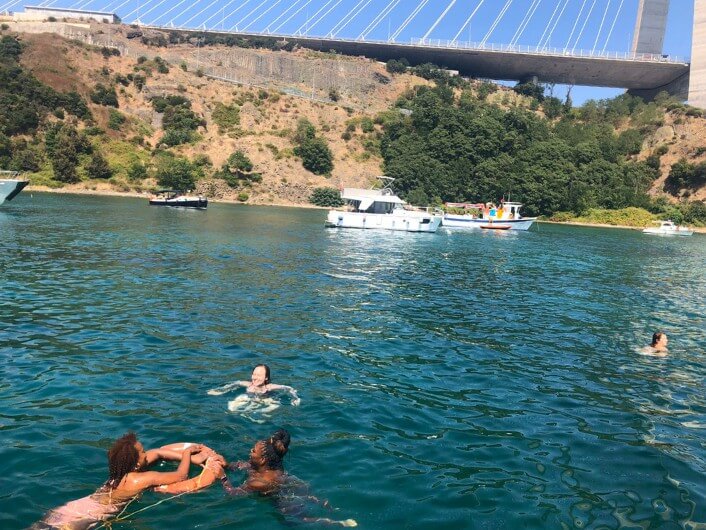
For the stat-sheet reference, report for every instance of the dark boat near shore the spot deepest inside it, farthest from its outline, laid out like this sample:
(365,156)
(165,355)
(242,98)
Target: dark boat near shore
(10,185)
(178,199)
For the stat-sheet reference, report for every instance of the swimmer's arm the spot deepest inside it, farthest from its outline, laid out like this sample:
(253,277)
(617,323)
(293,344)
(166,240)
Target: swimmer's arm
(149,479)
(174,452)
(233,490)
(292,392)
(225,388)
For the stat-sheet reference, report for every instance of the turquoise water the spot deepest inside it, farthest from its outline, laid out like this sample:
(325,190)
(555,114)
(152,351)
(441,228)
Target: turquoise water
(455,380)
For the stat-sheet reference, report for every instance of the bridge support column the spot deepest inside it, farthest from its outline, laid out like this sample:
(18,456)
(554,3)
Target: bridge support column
(650,26)
(697,73)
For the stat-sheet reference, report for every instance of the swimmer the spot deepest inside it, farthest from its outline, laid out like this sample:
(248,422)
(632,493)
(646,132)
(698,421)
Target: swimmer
(266,477)
(658,347)
(259,384)
(128,477)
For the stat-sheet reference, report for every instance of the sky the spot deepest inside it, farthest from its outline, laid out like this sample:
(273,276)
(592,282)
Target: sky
(593,25)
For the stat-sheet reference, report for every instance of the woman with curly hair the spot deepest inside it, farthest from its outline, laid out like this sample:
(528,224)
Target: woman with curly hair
(128,477)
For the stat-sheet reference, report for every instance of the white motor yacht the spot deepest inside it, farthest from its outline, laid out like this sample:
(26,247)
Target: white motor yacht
(505,217)
(380,209)
(668,228)
(10,185)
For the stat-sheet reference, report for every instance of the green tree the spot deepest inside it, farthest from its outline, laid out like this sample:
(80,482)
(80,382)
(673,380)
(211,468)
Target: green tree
(326,197)
(316,156)
(176,173)
(98,167)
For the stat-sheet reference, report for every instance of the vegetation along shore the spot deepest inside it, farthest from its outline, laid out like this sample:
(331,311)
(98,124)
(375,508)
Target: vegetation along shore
(152,109)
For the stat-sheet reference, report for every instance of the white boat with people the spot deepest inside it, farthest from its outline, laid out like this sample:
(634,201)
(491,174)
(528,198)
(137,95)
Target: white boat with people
(10,185)
(178,199)
(487,216)
(667,228)
(380,209)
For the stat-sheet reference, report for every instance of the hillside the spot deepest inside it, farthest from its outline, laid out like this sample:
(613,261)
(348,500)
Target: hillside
(259,111)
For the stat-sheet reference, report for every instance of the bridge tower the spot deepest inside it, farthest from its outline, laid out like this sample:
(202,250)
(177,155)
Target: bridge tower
(697,73)
(650,26)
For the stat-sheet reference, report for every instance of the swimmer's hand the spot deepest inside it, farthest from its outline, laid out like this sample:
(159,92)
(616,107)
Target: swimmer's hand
(240,464)
(216,392)
(296,402)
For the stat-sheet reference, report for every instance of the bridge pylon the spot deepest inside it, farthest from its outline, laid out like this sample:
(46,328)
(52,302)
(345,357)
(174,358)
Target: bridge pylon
(697,70)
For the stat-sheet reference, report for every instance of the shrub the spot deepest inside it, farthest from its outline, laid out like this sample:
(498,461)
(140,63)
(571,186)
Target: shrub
(243,197)
(367,125)
(305,131)
(98,167)
(316,156)
(334,94)
(326,197)
(227,117)
(395,66)
(137,171)
(115,120)
(104,95)
(346,136)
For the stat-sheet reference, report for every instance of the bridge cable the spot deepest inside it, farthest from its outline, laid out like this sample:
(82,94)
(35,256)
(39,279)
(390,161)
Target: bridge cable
(121,5)
(523,25)
(186,22)
(262,14)
(576,23)
(408,20)
(584,26)
(292,15)
(283,13)
(306,22)
(380,16)
(258,6)
(600,29)
(10,4)
(551,19)
(171,22)
(558,18)
(222,13)
(348,18)
(496,22)
(334,6)
(438,20)
(148,11)
(613,26)
(467,22)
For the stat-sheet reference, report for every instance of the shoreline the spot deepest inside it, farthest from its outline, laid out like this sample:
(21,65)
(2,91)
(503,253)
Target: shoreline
(146,195)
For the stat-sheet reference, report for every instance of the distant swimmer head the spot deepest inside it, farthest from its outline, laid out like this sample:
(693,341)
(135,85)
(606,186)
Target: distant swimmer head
(261,375)
(269,453)
(125,456)
(659,341)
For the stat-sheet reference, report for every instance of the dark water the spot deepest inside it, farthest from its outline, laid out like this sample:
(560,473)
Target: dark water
(455,380)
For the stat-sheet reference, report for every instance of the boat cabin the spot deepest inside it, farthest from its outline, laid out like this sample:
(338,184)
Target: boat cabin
(372,201)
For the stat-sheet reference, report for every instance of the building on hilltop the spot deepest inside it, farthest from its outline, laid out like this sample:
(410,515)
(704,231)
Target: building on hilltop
(42,13)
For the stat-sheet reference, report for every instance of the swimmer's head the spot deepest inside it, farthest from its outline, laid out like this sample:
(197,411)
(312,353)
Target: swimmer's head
(659,340)
(270,452)
(261,375)
(125,456)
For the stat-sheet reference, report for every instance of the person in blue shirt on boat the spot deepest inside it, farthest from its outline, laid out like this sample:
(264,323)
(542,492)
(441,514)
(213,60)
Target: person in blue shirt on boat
(259,384)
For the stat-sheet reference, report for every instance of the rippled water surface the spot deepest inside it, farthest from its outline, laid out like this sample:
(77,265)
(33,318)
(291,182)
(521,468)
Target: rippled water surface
(455,380)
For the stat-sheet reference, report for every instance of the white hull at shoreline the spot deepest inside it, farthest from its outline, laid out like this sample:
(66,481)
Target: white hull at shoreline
(464,221)
(398,220)
(9,188)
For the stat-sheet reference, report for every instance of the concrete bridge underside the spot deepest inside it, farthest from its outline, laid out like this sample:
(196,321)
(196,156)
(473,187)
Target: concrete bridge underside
(636,75)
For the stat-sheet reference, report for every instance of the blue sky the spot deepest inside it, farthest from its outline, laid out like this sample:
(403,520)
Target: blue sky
(584,24)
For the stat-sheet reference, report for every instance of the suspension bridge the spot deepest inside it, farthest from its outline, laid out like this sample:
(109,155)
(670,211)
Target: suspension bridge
(608,43)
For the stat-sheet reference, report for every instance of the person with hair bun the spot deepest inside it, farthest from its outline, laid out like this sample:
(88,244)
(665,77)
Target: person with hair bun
(128,477)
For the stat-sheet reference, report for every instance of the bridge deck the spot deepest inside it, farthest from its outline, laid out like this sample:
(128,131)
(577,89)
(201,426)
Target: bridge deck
(630,73)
